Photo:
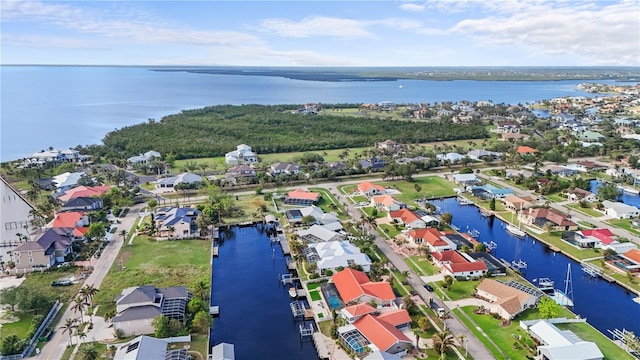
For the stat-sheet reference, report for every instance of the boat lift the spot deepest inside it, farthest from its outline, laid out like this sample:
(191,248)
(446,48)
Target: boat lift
(490,245)
(520,264)
(591,269)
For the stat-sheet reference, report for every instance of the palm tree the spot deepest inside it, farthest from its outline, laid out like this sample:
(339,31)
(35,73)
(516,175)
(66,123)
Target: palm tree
(88,351)
(87,293)
(123,233)
(201,288)
(441,341)
(68,326)
(78,306)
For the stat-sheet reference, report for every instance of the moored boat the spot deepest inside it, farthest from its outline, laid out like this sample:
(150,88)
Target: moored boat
(545,284)
(516,231)
(293,292)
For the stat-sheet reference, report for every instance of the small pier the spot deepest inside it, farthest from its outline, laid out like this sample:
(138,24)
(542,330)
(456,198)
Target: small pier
(474,233)
(554,249)
(214,250)
(491,246)
(215,233)
(287,279)
(291,265)
(463,200)
(321,346)
(519,265)
(305,331)
(214,310)
(486,213)
(591,269)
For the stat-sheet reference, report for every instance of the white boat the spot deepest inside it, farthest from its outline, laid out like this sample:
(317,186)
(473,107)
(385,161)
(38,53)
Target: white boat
(564,298)
(637,299)
(514,230)
(293,292)
(545,284)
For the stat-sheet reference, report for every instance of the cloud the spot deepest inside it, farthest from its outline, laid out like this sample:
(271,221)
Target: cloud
(413,7)
(598,36)
(317,26)
(54,42)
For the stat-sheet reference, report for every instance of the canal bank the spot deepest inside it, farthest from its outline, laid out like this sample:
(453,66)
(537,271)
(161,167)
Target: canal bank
(606,306)
(254,311)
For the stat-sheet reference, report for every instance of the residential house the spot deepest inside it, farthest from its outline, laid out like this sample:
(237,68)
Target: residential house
(589,238)
(620,210)
(287,168)
(465,180)
(82,203)
(329,220)
(223,351)
(432,237)
(146,347)
(176,222)
(526,150)
(319,234)
(70,219)
(407,218)
(590,166)
(561,171)
(188,180)
(67,180)
(241,171)
(506,301)
(335,165)
(578,194)
(507,127)
(389,146)
(450,157)
(387,203)
(482,155)
(489,191)
(355,287)
(589,136)
(633,260)
(375,332)
(50,248)
(369,189)
(518,202)
(551,218)
(301,197)
(145,158)
(354,312)
(459,264)
(16,216)
(55,155)
(332,255)
(136,307)
(241,155)
(373,164)
(84,191)
(556,344)
(495,267)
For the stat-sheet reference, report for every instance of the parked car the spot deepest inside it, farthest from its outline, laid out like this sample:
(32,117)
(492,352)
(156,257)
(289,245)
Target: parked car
(428,287)
(64,282)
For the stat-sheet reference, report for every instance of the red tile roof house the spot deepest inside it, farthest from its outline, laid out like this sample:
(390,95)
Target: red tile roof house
(369,189)
(634,257)
(378,333)
(355,287)
(457,264)
(70,220)
(84,191)
(526,150)
(387,203)
(407,218)
(539,217)
(302,197)
(433,238)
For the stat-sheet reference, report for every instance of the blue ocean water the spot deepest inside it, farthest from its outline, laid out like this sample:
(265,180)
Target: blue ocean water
(65,106)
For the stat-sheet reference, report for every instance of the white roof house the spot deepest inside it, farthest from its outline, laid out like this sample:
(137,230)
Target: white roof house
(319,233)
(67,180)
(452,157)
(334,254)
(242,154)
(144,158)
(187,178)
(147,347)
(559,344)
(620,210)
(320,216)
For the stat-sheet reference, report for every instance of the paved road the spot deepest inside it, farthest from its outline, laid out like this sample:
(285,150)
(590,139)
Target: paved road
(476,349)
(55,347)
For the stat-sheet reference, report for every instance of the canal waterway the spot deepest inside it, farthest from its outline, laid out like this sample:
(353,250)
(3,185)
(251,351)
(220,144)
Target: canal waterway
(625,197)
(254,308)
(606,306)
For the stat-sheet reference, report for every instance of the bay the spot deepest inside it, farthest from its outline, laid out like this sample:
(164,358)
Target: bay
(65,106)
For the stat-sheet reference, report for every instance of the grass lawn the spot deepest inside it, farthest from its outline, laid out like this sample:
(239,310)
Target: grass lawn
(19,328)
(431,187)
(624,224)
(358,199)
(586,224)
(587,332)
(326,202)
(348,189)
(390,230)
(397,287)
(369,210)
(313,286)
(555,198)
(555,240)
(461,289)
(155,263)
(315,295)
(586,211)
(426,267)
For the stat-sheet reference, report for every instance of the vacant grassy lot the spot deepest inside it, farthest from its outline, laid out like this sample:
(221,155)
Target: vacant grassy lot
(586,211)
(624,224)
(430,187)
(422,266)
(328,203)
(162,264)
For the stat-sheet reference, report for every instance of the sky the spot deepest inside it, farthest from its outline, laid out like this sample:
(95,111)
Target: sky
(322,33)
